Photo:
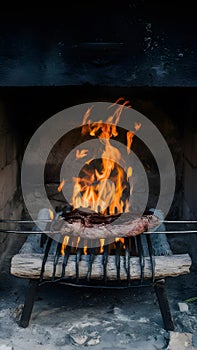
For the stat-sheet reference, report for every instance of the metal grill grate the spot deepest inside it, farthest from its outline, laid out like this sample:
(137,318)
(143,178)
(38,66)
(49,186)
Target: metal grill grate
(133,246)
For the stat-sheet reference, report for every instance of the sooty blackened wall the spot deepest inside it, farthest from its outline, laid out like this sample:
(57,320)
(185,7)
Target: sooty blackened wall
(132,43)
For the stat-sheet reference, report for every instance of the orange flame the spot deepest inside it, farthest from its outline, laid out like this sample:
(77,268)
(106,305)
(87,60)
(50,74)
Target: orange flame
(78,240)
(101,188)
(137,126)
(102,243)
(81,154)
(85,250)
(129,171)
(61,185)
(64,244)
(130,135)
(119,240)
(89,161)
(51,214)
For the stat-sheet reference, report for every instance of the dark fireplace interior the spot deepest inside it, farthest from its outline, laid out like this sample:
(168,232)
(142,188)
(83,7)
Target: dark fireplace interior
(172,110)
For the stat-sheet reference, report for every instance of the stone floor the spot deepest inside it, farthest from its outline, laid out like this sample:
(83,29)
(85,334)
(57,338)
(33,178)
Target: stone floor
(69,317)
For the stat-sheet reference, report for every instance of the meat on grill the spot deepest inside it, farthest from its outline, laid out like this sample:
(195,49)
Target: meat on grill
(91,225)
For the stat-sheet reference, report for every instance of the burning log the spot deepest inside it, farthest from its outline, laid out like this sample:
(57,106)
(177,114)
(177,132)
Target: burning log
(28,266)
(92,225)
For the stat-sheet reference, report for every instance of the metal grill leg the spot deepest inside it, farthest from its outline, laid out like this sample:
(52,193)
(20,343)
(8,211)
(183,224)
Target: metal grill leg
(160,291)
(29,303)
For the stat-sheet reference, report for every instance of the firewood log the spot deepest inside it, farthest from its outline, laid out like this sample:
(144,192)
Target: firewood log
(29,266)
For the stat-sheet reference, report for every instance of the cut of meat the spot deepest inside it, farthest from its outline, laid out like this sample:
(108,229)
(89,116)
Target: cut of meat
(91,225)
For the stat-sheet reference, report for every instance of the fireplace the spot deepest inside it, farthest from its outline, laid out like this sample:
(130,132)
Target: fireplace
(152,72)
(167,116)
(152,103)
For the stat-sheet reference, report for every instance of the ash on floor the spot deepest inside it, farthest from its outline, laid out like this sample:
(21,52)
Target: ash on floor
(70,317)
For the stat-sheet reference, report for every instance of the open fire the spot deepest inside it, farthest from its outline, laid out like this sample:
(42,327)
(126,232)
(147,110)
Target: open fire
(85,245)
(102,185)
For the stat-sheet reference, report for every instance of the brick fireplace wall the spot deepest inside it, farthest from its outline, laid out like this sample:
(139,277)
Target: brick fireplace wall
(10,198)
(190,171)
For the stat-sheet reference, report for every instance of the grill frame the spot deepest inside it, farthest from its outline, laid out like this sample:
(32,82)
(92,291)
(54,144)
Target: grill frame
(158,285)
(36,284)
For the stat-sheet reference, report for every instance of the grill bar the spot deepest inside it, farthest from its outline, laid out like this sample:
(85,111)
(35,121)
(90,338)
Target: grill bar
(179,221)
(46,253)
(141,256)
(43,240)
(47,232)
(127,260)
(50,221)
(56,259)
(152,261)
(90,262)
(118,260)
(104,261)
(66,256)
(166,232)
(78,258)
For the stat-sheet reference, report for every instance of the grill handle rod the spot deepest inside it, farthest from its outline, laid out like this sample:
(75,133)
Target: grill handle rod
(50,221)
(25,232)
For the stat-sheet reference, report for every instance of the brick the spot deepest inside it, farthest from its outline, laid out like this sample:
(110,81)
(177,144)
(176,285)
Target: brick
(3,121)
(190,147)
(8,182)
(190,188)
(11,148)
(8,149)
(3,138)
(12,210)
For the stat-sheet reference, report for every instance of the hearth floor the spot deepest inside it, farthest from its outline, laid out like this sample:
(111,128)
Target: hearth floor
(70,317)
